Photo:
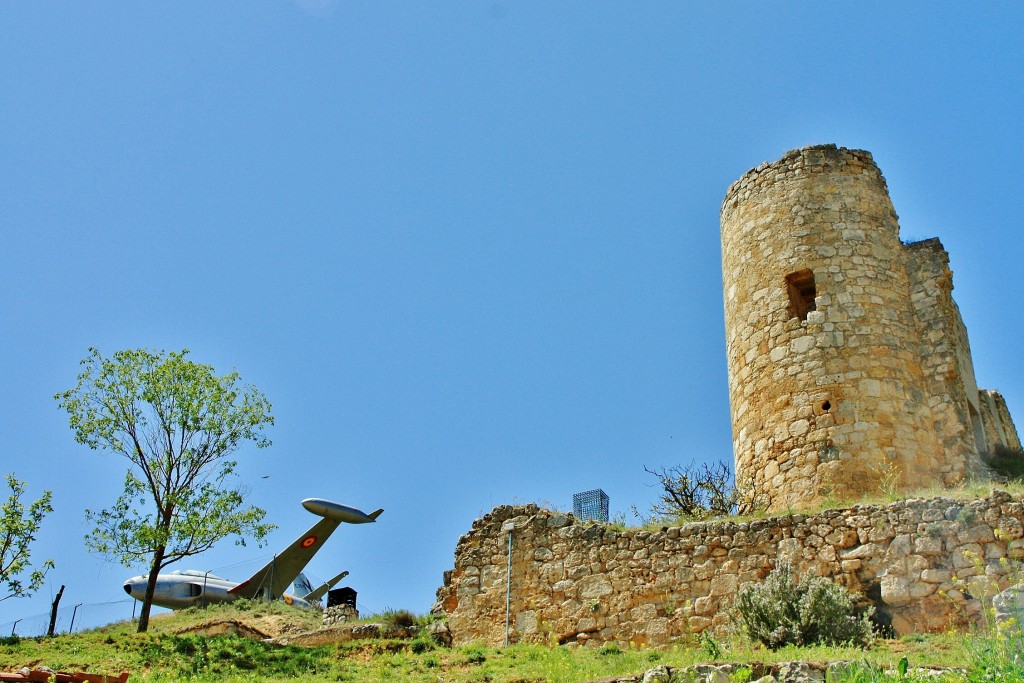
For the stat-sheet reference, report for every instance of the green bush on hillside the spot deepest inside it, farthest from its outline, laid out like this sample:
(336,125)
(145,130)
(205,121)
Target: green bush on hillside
(783,611)
(1008,463)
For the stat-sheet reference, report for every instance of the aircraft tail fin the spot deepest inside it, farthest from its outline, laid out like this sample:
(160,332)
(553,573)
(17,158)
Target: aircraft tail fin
(375,514)
(302,585)
(319,592)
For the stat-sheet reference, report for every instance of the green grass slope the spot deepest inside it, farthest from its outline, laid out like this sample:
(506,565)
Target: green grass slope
(170,653)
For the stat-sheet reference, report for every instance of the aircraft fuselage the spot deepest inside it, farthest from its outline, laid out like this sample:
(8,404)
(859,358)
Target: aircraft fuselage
(188,588)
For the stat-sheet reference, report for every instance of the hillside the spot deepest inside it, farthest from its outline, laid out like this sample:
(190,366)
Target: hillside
(174,650)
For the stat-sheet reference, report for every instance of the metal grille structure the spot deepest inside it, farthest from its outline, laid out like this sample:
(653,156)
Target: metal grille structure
(590,505)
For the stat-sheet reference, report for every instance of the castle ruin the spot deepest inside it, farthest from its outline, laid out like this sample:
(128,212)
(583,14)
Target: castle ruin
(849,370)
(849,365)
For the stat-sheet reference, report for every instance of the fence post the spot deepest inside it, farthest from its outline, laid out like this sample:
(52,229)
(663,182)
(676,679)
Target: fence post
(53,612)
(509,526)
(73,613)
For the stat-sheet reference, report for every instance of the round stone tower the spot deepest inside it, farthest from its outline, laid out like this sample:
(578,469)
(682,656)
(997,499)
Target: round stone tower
(825,376)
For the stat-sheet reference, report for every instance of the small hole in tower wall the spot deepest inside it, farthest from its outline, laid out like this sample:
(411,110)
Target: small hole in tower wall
(801,290)
(826,406)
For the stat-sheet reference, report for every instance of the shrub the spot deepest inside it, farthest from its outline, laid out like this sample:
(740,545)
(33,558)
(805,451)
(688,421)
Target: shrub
(474,654)
(421,645)
(783,611)
(398,618)
(694,492)
(1007,462)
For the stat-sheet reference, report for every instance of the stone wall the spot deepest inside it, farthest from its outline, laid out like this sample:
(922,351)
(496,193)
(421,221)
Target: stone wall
(339,614)
(949,384)
(999,428)
(923,563)
(849,365)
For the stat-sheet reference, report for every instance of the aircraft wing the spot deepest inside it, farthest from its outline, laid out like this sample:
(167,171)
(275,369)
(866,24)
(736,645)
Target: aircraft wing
(282,570)
(314,595)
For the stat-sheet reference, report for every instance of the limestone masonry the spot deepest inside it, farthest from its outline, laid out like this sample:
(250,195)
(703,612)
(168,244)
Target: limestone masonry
(849,365)
(926,565)
(849,373)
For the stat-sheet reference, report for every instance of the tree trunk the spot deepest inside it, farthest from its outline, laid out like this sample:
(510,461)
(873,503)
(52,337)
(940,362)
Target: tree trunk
(147,603)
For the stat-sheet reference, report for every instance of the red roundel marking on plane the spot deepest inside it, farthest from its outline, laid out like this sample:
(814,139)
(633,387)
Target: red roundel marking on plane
(308,541)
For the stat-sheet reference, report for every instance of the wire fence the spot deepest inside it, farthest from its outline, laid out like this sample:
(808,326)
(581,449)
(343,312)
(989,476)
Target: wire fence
(85,616)
(75,617)
(70,617)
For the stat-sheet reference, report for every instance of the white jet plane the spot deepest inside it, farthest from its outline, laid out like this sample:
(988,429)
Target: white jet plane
(185,588)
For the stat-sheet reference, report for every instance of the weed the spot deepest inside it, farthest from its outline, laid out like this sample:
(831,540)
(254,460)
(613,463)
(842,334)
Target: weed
(709,645)
(619,522)
(421,645)
(966,516)
(890,480)
(474,654)
(741,675)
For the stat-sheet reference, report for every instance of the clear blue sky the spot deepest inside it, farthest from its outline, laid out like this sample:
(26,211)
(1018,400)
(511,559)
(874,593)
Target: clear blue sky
(469,250)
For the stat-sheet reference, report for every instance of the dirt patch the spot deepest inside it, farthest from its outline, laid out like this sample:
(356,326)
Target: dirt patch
(226,627)
(344,633)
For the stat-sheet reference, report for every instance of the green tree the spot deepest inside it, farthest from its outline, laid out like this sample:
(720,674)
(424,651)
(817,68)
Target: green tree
(177,423)
(18,528)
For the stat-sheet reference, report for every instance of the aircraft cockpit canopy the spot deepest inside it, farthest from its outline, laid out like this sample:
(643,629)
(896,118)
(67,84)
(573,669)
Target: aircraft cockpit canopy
(198,574)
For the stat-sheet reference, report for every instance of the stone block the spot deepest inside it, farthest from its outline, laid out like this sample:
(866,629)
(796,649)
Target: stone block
(592,587)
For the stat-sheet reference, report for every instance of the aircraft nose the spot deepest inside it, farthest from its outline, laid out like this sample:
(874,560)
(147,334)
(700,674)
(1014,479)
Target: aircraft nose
(134,584)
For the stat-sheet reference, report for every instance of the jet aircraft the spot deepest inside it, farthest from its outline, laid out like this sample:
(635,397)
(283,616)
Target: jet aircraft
(185,588)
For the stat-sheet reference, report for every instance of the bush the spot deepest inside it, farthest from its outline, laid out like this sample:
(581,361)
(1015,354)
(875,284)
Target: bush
(397,618)
(421,645)
(1008,463)
(474,654)
(694,492)
(782,611)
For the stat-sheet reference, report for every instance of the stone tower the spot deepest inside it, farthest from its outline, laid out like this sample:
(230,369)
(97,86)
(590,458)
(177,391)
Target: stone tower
(849,366)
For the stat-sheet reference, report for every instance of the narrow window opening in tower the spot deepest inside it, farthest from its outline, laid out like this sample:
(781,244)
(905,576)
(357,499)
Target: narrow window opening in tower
(801,290)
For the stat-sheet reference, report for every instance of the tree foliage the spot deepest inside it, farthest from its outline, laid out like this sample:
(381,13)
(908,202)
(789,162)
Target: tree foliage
(695,492)
(18,528)
(177,423)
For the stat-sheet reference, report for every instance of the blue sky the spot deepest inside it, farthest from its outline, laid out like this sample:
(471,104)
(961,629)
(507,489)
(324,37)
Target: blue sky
(469,250)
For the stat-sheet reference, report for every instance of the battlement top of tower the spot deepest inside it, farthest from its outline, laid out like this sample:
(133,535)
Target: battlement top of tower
(802,163)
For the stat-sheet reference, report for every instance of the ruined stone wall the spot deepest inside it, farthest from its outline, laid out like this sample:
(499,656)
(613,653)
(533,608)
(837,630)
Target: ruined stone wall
(999,428)
(825,377)
(925,564)
(950,388)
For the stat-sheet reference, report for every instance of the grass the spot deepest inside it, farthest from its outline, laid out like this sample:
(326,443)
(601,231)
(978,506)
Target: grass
(164,655)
